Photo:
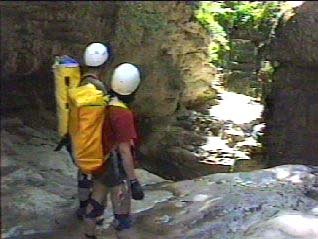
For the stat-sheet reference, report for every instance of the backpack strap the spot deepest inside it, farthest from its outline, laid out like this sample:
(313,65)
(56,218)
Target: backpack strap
(120,104)
(93,79)
(89,75)
(66,142)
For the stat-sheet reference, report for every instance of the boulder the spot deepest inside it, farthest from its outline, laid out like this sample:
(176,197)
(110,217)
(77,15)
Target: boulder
(291,109)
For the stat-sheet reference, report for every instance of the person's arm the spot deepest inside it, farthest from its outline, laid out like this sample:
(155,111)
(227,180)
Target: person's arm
(123,126)
(124,149)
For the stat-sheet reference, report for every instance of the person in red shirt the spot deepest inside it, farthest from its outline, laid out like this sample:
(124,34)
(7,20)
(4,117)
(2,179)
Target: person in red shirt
(119,139)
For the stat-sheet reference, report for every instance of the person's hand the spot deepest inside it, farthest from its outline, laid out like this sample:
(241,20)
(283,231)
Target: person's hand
(136,190)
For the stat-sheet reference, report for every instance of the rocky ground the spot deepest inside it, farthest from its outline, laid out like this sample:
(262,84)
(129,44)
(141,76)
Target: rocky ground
(232,129)
(220,136)
(39,198)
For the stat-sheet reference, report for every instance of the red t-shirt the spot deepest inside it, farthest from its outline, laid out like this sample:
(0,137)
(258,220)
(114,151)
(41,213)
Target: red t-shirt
(119,127)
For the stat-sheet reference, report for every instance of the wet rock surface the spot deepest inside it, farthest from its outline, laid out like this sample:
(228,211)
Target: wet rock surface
(39,198)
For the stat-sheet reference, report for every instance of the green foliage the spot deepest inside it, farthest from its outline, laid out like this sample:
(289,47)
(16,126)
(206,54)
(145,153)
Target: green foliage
(207,15)
(221,18)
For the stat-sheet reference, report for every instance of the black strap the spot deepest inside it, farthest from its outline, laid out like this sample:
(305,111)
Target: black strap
(89,75)
(65,141)
(97,210)
(115,157)
(100,85)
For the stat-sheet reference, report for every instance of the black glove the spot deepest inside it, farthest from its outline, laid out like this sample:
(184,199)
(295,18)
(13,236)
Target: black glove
(136,190)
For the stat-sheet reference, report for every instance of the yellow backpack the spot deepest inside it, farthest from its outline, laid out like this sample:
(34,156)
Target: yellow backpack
(80,111)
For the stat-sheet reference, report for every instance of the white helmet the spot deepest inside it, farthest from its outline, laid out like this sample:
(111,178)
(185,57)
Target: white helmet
(126,78)
(96,54)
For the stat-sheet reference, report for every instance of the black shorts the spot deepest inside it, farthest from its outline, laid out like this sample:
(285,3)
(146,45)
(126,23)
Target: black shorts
(114,174)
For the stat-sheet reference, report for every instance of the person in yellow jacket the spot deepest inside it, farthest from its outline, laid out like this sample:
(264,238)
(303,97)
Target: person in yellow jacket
(95,58)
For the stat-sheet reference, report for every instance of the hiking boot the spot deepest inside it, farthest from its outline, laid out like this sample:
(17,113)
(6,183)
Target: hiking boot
(136,190)
(120,223)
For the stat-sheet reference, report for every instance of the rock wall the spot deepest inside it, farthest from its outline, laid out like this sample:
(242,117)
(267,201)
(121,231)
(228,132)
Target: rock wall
(163,38)
(165,33)
(292,110)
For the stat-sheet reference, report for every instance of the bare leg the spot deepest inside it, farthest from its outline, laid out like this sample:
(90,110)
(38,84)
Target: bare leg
(120,198)
(121,202)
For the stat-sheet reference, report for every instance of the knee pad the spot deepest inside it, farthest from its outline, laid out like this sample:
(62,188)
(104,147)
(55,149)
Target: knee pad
(85,182)
(85,185)
(97,211)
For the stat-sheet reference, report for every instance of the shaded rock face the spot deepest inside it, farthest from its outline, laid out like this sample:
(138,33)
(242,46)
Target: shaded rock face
(298,36)
(162,38)
(33,33)
(292,111)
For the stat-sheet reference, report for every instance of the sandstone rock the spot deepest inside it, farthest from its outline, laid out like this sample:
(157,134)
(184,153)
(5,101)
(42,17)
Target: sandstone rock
(291,126)
(147,178)
(242,82)
(243,51)
(189,148)
(249,144)
(238,66)
(29,177)
(248,35)
(289,134)
(234,135)
(151,199)
(11,122)
(287,225)
(299,50)
(258,130)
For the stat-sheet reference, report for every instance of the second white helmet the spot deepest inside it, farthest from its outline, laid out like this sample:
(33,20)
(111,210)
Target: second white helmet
(125,79)
(96,54)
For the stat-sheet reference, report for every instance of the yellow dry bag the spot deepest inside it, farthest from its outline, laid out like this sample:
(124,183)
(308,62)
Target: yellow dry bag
(86,119)
(67,76)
